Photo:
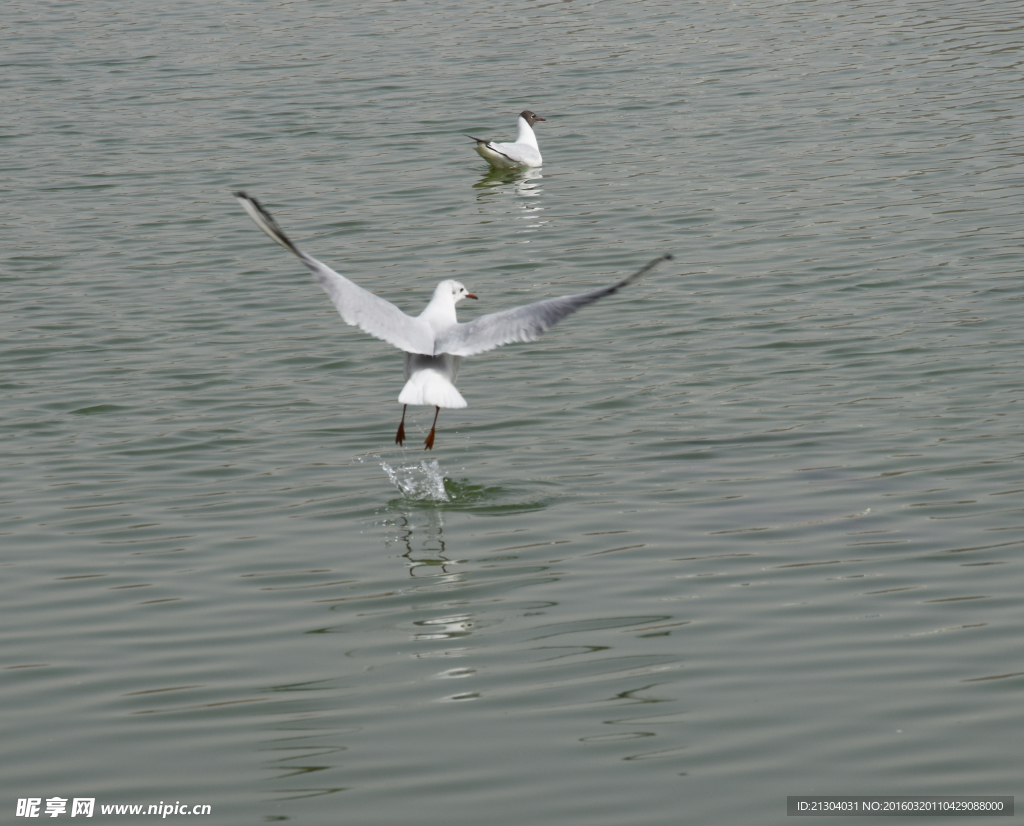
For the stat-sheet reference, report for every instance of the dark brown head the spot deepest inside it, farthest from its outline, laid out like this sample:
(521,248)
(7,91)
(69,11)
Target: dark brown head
(529,117)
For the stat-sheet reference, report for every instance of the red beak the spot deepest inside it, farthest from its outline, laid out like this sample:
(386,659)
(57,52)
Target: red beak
(470,295)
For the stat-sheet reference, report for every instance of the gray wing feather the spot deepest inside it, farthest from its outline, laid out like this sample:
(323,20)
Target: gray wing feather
(371,313)
(525,323)
(357,306)
(516,154)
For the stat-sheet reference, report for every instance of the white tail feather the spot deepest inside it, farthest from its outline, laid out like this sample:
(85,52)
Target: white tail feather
(431,387)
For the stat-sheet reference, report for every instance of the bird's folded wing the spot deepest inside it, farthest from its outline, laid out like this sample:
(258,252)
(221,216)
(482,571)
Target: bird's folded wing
(517,153)
(357,306)
(523,323)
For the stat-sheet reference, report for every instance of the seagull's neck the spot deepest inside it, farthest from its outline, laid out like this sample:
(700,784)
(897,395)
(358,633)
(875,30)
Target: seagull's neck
(440,312)
(526,134)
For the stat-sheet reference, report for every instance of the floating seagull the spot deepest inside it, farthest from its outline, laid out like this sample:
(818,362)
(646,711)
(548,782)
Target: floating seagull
(524,152)
(434,342)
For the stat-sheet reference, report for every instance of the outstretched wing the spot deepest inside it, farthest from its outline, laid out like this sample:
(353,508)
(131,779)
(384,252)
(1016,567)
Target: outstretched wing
(525,323)
(358,307)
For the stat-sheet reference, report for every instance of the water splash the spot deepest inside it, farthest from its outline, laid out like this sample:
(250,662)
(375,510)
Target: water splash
(423,481)
(423,484)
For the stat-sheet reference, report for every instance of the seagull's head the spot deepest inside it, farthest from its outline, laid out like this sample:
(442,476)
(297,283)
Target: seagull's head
(459,292)
(529,117)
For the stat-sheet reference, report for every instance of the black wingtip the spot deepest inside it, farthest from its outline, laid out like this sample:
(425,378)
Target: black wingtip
(265,221)
(646,268)
(242,195)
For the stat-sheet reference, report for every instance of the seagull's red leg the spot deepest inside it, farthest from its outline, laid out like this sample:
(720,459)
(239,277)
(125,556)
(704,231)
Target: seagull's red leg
(429,441)
(400,435)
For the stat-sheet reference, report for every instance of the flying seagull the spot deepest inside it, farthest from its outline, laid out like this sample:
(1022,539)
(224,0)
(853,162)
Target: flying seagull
(524,152)
(434,342)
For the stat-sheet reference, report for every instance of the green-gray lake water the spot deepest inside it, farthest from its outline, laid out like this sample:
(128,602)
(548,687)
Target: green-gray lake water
(748,529)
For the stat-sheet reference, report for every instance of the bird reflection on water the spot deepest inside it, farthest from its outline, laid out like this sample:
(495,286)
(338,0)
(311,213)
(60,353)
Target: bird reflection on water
(525,181)
(424,544)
